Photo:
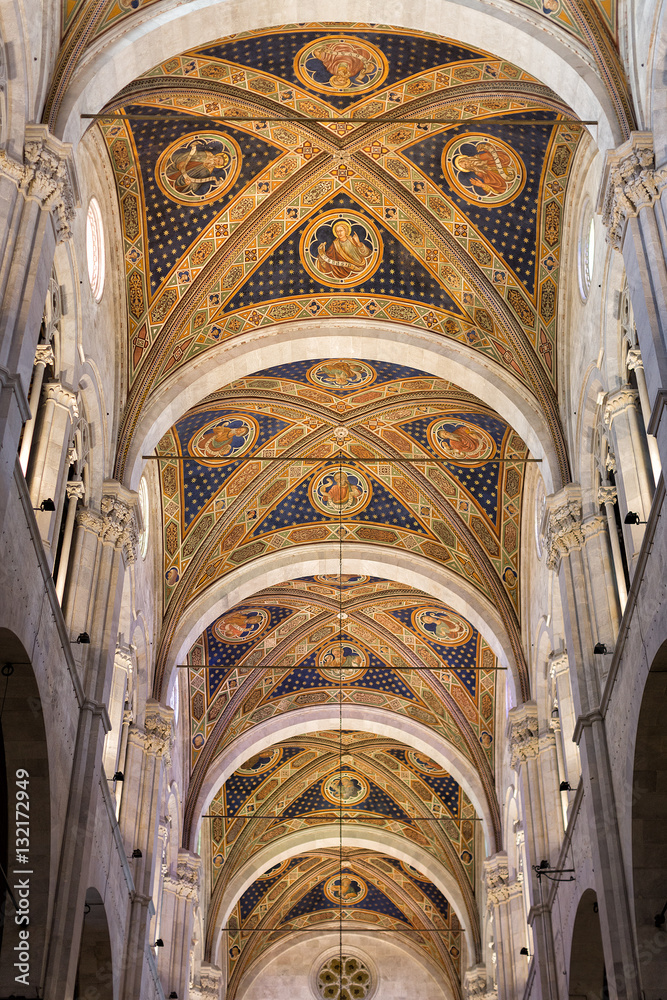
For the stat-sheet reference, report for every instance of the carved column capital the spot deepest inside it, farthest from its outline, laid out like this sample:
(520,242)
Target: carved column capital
(476,985)
(499,886)
(60,394)
(523,733)
(558,664)
(564,532)
(75,490)
(607,494)
(118,511)
(630,183)
(619,402)
(155,738)
(185,882)
(46,176)
(44,355)
(633,359)
(210,978)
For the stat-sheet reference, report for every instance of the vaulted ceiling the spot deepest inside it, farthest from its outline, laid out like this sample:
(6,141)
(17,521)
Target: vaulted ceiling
(328,180)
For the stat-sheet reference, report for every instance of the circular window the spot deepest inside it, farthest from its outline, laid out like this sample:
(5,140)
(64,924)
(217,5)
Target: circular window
(143,511)
(95,249)
(586,252)
(344,977)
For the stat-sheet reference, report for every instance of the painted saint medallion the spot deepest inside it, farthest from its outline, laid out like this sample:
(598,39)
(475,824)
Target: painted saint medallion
(198,168)
(343,490)
(341,248)
(274,870)
(413,873)
(461,440)
(341,374)
(423,763)
(261,762)
(482,169)
(441,626)
(344,788)
(345,888)
(241,625)
(340,64)
(342,579)
(342,662)
(225,438)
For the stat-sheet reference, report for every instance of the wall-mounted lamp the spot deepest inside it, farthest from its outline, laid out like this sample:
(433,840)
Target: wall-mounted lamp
(544,869)
(82,639)
(136,853)
(118,776)
(47,504)
(173,995)
(659,919)
(632,518)
(524,951)
(565,786)
(600,649)
(159,943)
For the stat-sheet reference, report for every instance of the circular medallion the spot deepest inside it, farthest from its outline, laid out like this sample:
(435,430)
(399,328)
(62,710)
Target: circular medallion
(340,491)
(340,64)
(344,977)
(345,888)
(274,870)
(261,762)
(424,764)
(341,374)
(225,438)
(461,440)
(413,873)
(344,788)
(342,662)
(198,168)
(241,625)
(342,579)
(441,626)
(482,169)
(341,248)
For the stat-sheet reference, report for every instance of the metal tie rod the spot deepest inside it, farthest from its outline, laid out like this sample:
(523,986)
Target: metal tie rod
(331,458)
(341,121)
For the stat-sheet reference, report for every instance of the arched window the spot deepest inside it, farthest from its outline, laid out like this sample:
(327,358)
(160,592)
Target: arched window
(95,249)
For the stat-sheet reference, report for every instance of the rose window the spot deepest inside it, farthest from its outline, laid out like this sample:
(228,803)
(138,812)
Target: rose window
(343,977)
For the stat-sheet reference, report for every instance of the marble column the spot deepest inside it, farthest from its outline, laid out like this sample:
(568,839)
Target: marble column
(33,191)
(43,357)
(48,473)
(635,482)
(74,491)
(104,544)
(635,364)
(632,204)
(581,595)
(179,901)
(504,897)
(533,756)
(607,496)
(559,671)
(147,755)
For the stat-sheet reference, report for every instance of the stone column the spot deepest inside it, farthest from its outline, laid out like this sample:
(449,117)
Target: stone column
(179,901)
(48,473)
(533,757)
(104,545)
(607,496)
(621,414)
(74,491)
(559,669)
(635,364)
(148,753)
(43,357)
(40,187)
(504,897)
(630,200)
(567,556)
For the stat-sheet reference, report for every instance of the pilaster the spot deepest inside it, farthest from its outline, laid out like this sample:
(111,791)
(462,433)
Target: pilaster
(504,897)
(180,899)
(622,416)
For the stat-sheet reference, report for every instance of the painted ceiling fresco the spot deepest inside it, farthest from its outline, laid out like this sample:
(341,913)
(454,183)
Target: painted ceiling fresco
(372,783)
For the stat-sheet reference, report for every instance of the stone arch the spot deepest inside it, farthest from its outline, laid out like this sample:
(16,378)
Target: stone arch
(23,748)
(94,975)
(649,852)
(588,977)
(418,349)
(374,839)
(365,718)
(310,560)
(556,59)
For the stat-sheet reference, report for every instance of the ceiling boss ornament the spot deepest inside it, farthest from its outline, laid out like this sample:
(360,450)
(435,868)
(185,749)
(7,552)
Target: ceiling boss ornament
(341,248)
(198,168)
(482,169)
(337,64)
